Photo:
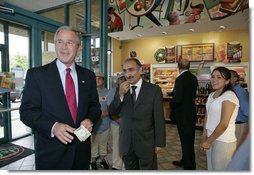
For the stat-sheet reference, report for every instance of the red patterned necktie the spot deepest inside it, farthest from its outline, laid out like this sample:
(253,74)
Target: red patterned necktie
(70,94)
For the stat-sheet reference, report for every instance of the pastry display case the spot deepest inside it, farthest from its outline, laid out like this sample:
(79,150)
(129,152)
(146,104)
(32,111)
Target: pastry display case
(241,68)
(164,75)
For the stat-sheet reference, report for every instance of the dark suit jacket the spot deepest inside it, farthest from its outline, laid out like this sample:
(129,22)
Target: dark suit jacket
(44,103)
(183,102)
(142,125)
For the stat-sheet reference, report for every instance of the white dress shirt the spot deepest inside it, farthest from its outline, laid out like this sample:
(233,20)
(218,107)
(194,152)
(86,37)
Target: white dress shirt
(62,72)
(137,90)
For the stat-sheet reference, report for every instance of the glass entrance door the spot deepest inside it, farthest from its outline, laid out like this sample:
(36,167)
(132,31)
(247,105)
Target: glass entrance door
(14,57)
(3,123)
(18,63)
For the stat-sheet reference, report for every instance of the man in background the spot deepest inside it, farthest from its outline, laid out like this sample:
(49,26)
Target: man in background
(243,113)
(142,130)
(100,135)
(117,162)
(184,113)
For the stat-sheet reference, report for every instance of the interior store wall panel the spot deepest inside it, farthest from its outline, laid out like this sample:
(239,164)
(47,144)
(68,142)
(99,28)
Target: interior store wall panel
(117,56)
(145,48)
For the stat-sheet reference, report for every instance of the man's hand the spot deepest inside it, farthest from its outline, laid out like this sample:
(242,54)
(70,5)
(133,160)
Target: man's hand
(62,132)
(88,124)
(157,150)
(124,87)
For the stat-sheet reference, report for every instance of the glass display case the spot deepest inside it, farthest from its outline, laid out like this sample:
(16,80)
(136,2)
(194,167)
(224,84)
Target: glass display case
(241,68)
(164,75)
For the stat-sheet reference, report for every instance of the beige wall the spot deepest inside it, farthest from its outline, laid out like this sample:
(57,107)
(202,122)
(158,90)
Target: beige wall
(116,56)
(145,48)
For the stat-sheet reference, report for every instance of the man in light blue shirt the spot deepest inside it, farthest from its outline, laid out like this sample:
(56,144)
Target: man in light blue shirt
(243,113)
(100,134)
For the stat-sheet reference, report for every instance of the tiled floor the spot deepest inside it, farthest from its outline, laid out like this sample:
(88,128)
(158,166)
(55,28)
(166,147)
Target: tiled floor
(171,152)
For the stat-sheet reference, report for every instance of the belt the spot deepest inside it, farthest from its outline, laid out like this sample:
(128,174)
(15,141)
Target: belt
(239,122)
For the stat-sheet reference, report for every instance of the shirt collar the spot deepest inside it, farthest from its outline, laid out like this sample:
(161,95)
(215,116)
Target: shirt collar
(138,84)
(61,67)
(182,72)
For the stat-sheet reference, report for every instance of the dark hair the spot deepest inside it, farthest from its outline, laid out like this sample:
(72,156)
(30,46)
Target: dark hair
(235,74)
(225,73)
(135,60)
(110,8)
(184,64)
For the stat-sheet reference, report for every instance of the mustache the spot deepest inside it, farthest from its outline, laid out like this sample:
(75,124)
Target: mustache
(129,77)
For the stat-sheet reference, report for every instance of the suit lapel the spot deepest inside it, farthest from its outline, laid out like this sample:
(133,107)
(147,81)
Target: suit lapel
(82,83)
(142,93)
(128,98)
(55,85)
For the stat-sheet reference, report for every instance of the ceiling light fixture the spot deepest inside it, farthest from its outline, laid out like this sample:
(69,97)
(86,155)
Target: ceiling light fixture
(222,27)
(109,51)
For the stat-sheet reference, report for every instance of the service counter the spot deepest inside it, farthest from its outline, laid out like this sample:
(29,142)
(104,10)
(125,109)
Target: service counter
(166,107)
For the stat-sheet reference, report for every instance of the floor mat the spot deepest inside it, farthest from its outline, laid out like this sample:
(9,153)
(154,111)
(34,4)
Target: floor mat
(10,153)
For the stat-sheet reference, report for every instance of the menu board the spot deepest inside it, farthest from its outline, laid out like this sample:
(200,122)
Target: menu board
(196,52)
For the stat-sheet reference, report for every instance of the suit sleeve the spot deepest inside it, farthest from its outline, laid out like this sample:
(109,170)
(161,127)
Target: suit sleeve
(115,106)
(159,121)
(177,94)
(110,96)
(30,108)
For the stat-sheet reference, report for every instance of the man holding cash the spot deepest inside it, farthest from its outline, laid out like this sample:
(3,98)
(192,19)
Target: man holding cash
(60,103)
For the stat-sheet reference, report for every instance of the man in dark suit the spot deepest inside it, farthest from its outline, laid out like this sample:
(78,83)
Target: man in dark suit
(184,111)
(46,108)
(142,125)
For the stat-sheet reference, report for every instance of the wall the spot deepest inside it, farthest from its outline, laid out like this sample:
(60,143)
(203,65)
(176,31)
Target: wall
(145,48)
(117,56)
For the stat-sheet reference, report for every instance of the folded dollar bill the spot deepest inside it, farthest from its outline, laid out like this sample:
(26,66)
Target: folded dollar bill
(82,133)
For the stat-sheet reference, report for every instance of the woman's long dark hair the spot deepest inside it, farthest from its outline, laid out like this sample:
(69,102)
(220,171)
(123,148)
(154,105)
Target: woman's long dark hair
(226,74)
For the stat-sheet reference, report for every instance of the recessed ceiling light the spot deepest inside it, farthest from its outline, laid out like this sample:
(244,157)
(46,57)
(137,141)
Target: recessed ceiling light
(222,27)
(164,33)
(109,51)
(191,30)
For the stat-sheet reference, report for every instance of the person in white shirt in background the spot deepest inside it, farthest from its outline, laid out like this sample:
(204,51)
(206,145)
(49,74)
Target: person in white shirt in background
(222,106)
